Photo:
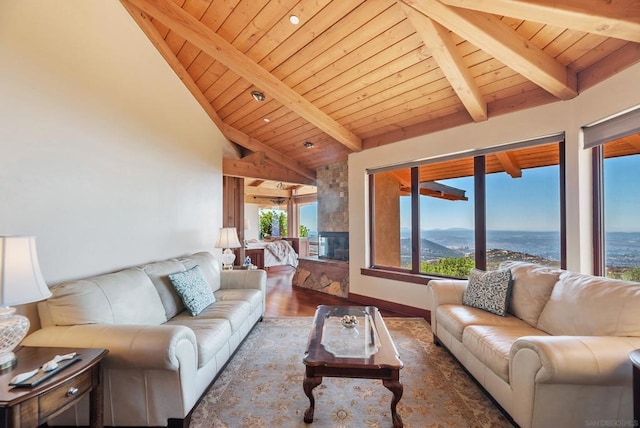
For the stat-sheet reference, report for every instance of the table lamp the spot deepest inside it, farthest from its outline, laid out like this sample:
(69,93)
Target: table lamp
(20,282)
(227,239)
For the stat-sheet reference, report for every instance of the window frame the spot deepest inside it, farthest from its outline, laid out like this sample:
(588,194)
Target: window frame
(595,136)
(414,274)
(597,165)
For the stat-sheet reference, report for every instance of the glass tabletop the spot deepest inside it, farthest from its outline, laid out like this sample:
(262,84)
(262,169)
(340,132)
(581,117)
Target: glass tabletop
(349,333)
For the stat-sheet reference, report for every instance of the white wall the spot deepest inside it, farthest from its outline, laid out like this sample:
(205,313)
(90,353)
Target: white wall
(616,94)
(104,155)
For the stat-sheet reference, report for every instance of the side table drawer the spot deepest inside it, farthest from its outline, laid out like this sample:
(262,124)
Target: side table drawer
(64,395)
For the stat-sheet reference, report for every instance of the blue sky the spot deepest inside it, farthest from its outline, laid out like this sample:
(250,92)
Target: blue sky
(309,216)
(532,202)
(622,196)
(527,203)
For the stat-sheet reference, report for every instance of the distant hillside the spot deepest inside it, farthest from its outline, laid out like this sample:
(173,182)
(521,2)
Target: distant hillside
(497,256)
(430,250)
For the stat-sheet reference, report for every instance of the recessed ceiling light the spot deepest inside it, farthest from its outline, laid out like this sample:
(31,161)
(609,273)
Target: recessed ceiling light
(258,96)
(267,120)
(308,144)
(294,20)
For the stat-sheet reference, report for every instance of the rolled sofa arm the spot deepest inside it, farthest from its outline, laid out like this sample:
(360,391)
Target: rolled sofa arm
(445,292)
(245,278)
(148,347)
(580,360)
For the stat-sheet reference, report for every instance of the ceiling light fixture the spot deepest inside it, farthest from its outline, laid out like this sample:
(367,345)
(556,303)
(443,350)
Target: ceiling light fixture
(266,120)
(294,20)
(308,144)
(258,96)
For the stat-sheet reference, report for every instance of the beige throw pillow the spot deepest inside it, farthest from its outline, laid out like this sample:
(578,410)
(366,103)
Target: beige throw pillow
(532,286)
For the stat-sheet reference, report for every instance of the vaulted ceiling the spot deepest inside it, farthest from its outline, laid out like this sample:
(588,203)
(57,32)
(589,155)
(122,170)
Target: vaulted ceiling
(356,74)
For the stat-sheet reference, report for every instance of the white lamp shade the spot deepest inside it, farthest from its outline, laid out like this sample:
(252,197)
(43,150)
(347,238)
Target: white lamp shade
(228,238)
(20,278)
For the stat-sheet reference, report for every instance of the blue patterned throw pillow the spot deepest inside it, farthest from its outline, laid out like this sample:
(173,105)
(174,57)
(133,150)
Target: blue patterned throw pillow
(489,291)
(193,289)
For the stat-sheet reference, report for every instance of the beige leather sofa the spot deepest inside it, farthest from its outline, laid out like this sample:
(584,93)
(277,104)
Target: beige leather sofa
(560,357)
(161,359)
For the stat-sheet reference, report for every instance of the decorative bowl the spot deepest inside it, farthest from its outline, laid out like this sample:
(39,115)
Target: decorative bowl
(349,321)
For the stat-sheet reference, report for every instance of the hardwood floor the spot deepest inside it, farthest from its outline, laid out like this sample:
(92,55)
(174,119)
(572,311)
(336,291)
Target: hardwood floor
(284,300)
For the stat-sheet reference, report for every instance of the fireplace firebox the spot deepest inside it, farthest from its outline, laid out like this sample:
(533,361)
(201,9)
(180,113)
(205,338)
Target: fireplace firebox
(333,245)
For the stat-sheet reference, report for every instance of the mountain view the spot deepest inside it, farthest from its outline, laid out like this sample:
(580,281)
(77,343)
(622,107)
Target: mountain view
(622,252)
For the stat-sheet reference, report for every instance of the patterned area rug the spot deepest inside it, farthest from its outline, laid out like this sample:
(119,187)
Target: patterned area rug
(262,385)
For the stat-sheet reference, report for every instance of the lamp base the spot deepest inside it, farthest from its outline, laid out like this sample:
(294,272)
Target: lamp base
(13,328)
(228,257)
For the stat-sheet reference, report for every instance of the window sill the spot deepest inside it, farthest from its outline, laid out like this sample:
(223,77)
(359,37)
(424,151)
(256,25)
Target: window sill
(397,276)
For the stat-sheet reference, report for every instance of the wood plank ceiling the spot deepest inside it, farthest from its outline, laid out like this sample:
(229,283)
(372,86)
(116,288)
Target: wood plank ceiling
(354,74)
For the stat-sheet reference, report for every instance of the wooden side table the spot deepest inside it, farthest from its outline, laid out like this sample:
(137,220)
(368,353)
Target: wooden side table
(31,407)
(256,255)
(635,361)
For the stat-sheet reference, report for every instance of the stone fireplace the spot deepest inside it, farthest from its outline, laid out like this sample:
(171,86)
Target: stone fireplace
(329,271)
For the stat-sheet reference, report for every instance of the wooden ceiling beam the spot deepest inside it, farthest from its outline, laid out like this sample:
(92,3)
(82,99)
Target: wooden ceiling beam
(264,191)
(502,42)
(233,134)
(619,19)
(269,171)
(609,66)
(510,164)
(212,44)
(256,158)
(254,145)
(445,52)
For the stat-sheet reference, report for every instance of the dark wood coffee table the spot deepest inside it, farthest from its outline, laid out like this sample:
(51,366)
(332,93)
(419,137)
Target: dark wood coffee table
(337,351)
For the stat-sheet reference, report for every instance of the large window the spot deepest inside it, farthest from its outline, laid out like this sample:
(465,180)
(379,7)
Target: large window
(523,206)
(392,219)
(447,226)
(615,144)
(446,217)
(617,209)
(273,223)
(622,213)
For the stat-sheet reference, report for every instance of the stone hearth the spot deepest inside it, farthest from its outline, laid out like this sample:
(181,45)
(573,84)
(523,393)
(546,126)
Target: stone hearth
(324,275)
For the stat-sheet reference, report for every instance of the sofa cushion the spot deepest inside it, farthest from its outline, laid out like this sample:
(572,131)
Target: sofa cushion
(209,265)
(236,312)
(124,297)
(491,344)
(532,286)
(159,274)
(585,305)
(193,289)
(489,291)
(211,334)
(253,296)
(455,318)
